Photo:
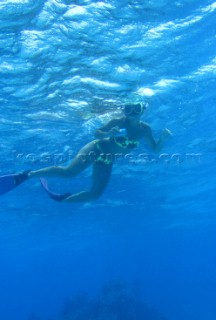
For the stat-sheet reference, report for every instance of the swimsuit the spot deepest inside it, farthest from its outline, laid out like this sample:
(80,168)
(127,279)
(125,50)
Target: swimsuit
(103,157)
(122,142)
(125,142)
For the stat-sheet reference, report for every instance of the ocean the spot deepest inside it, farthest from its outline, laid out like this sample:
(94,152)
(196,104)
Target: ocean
(146,248)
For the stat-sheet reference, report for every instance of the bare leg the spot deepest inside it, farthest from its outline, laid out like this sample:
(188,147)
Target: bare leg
(101,177)
(82,160)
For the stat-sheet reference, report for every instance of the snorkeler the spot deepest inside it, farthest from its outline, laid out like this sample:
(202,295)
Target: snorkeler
(99,153)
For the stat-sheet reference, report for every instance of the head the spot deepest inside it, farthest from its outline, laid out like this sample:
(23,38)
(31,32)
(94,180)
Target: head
(134,109)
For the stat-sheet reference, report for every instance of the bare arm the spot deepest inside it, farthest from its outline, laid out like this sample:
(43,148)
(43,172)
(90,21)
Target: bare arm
(155,145)
(109,129)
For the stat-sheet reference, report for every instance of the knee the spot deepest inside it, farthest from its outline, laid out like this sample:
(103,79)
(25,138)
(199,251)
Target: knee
(62,172)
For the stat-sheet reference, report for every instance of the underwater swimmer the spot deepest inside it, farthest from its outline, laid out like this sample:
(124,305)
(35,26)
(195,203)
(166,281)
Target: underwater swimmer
(99,153)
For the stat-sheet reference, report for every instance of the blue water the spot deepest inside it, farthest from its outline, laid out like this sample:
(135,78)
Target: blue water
(66,68)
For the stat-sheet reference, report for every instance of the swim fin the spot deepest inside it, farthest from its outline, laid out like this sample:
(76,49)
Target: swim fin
(11,181)
(53,195)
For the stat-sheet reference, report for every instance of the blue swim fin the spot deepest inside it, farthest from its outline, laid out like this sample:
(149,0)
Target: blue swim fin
(11,181)
(53,195)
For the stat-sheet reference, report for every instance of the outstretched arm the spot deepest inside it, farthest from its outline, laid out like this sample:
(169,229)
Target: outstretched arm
(109,129)
(155,145)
